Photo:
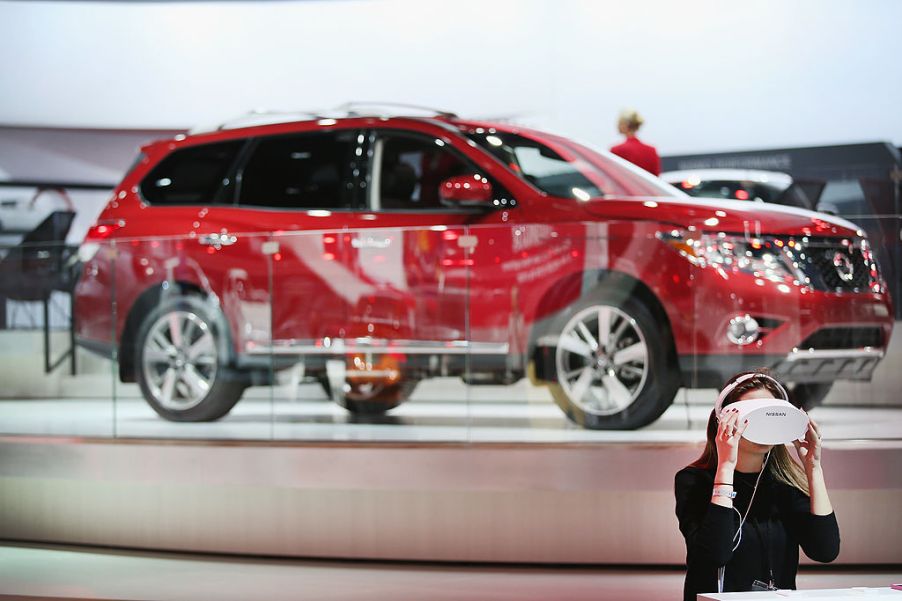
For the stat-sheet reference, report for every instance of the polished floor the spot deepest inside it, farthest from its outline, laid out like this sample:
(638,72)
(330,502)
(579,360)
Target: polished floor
(94,403)
(83,573)
(441,411)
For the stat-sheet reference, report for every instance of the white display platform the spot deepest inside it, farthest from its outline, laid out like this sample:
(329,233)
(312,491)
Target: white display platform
(574,503)
(820,595)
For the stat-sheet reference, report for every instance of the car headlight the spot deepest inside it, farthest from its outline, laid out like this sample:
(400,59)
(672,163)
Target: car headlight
(875,282)
(763,258)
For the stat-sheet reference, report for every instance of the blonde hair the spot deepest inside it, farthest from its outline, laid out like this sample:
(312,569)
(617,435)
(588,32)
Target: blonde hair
(631,118)
(786,469)
(781,463)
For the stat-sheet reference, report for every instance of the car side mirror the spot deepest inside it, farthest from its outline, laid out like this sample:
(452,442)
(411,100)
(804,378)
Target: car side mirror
(471,190)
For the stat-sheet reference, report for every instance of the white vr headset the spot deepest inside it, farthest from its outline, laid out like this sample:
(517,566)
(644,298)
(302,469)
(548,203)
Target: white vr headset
(771,421)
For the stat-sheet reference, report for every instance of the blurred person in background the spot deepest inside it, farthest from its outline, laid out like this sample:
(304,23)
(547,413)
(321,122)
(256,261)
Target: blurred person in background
(632,149)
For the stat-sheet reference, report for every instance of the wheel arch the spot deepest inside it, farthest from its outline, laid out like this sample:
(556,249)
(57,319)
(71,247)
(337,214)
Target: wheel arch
(581,285)
(633,287)
(144,304)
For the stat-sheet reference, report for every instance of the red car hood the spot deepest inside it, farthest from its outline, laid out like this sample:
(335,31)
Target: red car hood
(723,216)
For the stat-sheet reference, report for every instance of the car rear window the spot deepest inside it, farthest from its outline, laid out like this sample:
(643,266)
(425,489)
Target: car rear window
(192,175)
(299,171)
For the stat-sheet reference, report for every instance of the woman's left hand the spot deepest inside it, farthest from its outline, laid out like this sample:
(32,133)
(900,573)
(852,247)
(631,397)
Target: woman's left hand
(809,450)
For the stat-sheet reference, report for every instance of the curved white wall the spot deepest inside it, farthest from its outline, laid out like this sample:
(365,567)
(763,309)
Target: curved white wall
(609,503)
(707,75)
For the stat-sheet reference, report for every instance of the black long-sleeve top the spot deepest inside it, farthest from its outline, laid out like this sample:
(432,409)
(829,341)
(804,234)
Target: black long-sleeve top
(779,522)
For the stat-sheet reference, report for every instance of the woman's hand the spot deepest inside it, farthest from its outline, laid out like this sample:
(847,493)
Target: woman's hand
(809,450)
(729,431)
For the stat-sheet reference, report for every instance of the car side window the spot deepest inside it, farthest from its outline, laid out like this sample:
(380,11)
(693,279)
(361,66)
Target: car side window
(192,175)
(408,170)
(299,171)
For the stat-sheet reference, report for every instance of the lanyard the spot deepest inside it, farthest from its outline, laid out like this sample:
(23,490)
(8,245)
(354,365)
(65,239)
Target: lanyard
(722,570)
(765,544)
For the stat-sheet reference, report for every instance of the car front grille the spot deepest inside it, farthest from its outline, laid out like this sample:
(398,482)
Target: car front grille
(824,260)
(844,338)
(836,265)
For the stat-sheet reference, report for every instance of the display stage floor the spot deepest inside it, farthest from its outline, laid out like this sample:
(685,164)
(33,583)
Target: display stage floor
(442,410)
(84,573)
(479,474)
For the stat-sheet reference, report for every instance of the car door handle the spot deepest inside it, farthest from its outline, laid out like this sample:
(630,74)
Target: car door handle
(217,241)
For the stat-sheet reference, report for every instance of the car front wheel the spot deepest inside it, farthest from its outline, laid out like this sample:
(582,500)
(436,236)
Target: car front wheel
(613,364)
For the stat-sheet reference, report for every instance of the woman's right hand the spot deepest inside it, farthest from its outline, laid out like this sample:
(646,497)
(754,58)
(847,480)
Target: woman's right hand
(729,431)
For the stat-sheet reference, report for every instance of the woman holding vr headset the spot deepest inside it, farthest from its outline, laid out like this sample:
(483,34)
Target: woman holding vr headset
(745,506)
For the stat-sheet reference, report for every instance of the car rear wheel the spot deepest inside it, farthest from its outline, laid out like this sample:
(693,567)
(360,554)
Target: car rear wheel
(368,384)
(613,364)
(370,398)
(182,362)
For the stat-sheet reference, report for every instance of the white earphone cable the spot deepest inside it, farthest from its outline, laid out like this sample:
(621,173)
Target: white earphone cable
(722,570)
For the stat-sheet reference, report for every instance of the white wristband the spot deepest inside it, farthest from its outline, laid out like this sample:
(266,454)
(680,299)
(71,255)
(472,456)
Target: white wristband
(724,492)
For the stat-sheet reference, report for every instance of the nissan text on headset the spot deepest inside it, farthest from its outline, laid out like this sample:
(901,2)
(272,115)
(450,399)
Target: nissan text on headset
(771,421)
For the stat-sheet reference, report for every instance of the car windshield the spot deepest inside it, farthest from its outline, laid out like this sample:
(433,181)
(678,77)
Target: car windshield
(566,169)
(731,190)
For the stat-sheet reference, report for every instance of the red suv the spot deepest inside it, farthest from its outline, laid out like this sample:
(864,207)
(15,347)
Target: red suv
(371,252)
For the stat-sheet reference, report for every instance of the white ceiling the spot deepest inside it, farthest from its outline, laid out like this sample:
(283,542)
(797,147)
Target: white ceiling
(707,75)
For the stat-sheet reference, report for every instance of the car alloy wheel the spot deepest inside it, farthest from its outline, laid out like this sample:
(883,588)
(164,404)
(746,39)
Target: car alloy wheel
(179,360)
(602,360)
(184,366)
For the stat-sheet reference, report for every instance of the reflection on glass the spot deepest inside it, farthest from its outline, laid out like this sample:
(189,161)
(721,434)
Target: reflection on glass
(49,385)
(475,282)
(490,332)
(360,318)
(180,308)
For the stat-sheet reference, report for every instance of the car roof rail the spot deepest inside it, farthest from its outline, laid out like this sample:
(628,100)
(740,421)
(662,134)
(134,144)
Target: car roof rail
(348,109)
(258,117)
(359,109)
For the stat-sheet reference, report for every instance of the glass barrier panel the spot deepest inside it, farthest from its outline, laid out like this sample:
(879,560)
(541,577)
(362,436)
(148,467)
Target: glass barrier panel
(53,384)
(866,327)
(572,335)
(498,332)
(189,315)
(369,333)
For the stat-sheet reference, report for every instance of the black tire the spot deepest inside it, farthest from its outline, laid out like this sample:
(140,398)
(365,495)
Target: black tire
(621,388)
(378,400)
(182,358)
(809,396)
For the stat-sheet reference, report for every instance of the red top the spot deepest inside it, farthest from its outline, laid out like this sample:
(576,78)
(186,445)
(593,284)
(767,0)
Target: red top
(640,154)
